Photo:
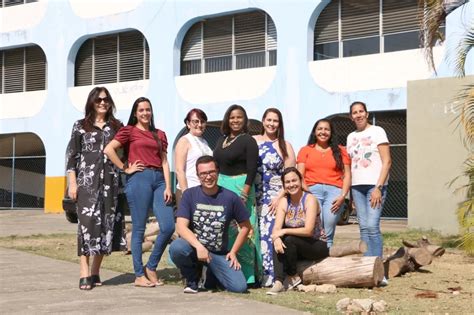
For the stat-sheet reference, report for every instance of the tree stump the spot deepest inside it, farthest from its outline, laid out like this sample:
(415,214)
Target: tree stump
(343,271)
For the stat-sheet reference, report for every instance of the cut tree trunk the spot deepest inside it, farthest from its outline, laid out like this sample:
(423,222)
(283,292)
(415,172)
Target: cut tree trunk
(420,256)
(351,248)
(435,250)
(343,271)
(398,263)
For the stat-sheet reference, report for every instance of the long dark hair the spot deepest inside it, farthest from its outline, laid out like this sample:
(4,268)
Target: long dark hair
(225,127)
(132,120)
(280,131)
(89,119)
(336,151)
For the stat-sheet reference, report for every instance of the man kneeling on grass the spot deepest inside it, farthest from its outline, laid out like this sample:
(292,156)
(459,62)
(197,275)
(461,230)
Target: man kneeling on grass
(203,219)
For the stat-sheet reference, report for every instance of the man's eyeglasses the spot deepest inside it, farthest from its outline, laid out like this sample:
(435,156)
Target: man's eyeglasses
(99,99)
(196,122)
(203,175)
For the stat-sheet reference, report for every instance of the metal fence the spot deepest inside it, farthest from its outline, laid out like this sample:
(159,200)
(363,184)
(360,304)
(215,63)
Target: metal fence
(394,124)
(22,171)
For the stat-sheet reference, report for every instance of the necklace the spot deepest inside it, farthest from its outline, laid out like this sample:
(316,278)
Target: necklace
(227,143)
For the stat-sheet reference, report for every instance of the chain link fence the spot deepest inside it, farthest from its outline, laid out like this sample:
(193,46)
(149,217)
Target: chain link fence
(213,131)
(394,124)
(22,171)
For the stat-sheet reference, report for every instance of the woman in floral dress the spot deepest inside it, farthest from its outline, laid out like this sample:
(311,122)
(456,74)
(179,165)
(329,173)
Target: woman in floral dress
(275,154)
(93,182)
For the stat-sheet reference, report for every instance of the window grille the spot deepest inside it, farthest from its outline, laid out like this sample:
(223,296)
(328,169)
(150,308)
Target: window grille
(23,70)
(241,41)
(9,3)
(360,27)
(113,58)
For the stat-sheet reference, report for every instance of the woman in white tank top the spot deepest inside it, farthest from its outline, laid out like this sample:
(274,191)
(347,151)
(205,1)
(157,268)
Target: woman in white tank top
(189,148)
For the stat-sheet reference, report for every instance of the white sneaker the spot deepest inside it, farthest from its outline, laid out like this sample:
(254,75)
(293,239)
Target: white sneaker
(384,282)
(277,288)
(191,287)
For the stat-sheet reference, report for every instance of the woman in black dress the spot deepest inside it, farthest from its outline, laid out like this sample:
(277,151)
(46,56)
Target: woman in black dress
(93,181)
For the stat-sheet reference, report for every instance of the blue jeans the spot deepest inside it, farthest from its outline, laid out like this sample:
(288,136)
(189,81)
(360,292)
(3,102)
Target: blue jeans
(185,258)
(369,218)
(145,190)
(326,194)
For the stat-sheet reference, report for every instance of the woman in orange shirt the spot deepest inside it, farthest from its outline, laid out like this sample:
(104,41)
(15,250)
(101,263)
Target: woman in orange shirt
(326,169)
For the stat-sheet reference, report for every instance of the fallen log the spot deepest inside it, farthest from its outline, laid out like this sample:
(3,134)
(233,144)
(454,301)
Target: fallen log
(420,256)
(434,250)
(343,271)
(351,248)
(398,263)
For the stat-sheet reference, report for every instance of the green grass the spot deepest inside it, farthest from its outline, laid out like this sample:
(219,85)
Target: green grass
(447,271)
(394,239)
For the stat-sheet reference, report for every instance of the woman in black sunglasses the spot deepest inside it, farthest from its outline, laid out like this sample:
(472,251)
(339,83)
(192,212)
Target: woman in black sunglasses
(93,183)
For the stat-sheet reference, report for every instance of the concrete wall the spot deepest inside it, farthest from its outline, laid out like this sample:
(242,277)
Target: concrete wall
(435,153)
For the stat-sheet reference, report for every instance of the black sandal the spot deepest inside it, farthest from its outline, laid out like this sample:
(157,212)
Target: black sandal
(85,283)
(95,281)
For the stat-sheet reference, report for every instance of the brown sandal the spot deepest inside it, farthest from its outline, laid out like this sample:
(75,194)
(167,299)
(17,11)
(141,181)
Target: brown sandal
(151,275)
(143,282)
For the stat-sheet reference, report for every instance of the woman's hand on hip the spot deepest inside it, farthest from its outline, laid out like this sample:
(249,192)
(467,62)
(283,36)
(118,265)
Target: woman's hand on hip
(136,166)
(167,195)
(337,203)
(272,206)
(376,198)
(72,191)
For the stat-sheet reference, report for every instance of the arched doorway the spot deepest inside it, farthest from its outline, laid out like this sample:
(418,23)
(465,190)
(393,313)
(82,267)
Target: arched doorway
(22,171)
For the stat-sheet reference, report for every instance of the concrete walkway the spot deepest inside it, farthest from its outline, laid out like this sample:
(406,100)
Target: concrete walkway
(32,284)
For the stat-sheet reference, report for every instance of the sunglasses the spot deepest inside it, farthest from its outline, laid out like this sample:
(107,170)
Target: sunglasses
(99,99)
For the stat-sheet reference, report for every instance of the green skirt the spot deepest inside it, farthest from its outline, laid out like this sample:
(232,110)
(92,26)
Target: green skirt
(249,254)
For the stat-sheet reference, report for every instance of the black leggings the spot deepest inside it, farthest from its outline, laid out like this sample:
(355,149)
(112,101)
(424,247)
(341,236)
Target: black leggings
(297,248)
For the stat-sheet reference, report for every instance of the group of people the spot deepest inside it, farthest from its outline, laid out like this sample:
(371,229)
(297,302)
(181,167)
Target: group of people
(246,210)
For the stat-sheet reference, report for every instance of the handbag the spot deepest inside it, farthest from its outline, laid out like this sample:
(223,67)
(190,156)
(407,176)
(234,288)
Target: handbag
(70,209)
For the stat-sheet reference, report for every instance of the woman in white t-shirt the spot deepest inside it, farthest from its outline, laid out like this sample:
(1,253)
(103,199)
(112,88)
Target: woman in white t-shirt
(189,148)
(369,150)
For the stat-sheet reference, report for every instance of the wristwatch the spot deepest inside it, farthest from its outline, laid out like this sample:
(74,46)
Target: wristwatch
(379,187)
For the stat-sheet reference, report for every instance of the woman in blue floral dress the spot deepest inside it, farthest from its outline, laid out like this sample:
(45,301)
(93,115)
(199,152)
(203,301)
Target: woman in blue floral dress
(275,154)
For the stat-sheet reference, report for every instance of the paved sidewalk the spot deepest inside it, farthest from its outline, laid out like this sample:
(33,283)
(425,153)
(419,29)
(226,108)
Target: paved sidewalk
(32,284)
